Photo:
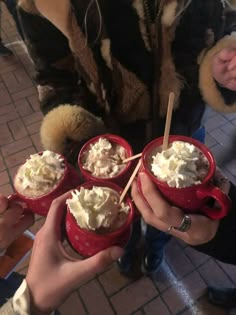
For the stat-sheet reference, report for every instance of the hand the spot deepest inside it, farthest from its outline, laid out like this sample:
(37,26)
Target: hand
(224,68)
(52,273)
(12,222)
(156,211)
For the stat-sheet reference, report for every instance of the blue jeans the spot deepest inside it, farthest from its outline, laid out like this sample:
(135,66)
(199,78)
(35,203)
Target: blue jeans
(155,240)
(9,286)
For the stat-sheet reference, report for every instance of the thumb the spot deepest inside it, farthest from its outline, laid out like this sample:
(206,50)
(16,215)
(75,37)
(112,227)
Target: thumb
(81,271)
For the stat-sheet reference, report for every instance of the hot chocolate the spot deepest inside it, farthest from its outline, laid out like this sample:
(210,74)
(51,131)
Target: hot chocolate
(39,174)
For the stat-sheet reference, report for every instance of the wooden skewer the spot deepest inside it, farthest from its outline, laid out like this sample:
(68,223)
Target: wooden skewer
(130,181)
(131,158)
(168,120)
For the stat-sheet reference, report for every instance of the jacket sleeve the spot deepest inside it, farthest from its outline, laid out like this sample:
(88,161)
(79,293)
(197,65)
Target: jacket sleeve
(70,109)
(219,98)
(7,309)
(20,304)
(222,247)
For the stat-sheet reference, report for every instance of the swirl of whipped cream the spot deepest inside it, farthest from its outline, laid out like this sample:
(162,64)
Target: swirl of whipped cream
(181,165)
(97,208)
(40,173)
(104,159)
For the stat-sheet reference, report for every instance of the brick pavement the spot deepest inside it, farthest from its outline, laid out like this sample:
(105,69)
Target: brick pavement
(180,286)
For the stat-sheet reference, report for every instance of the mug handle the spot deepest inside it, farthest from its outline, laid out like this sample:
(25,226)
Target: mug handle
(220,197)
(15,198)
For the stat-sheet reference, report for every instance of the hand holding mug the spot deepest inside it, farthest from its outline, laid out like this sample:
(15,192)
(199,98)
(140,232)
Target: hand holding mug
(224,68)
(187,169)
(156,211)
(52,273)
(12,221)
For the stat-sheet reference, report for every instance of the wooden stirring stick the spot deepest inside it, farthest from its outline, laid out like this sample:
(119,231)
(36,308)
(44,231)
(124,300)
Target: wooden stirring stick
(168,120)
(130,181)
(131,158)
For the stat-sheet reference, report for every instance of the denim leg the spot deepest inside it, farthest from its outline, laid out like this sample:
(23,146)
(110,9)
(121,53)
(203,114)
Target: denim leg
(155,241)
(135,236)
(9,286)
(200,134)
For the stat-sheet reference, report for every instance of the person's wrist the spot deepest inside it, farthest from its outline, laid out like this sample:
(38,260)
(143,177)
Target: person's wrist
(37,305)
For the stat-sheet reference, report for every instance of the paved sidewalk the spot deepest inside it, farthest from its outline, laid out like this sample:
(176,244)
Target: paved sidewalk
(180,286)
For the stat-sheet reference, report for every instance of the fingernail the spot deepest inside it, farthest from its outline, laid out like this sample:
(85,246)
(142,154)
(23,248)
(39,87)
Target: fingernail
(117,252)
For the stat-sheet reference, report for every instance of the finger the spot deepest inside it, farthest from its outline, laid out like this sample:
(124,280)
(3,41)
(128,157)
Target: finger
(221,181)
(12,215)
(225,55)
(232,64)
(231,74)
(151,194)
(162,209)
(55,215)
(83,270)
(3,203)
(142,205)
(23,224)
(231,85)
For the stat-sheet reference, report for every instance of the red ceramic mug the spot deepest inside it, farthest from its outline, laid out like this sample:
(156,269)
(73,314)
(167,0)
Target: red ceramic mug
(41,204)
(121,178)
(192,199)
(88,243)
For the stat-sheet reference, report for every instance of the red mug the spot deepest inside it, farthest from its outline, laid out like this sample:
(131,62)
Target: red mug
(88,243)
(120,179)
(41,204)
(192,199)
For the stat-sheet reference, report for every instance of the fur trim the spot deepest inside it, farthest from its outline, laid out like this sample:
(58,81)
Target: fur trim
(28,6)
(170,80)
(207,85)
(230,3)
(68,122)
(169,14)
(106,52)
(138,6)
(57,12)
(133,99)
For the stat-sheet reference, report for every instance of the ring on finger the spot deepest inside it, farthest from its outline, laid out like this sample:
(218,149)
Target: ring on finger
(184,225)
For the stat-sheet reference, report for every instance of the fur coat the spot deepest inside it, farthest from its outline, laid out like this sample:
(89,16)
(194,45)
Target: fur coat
(110,65)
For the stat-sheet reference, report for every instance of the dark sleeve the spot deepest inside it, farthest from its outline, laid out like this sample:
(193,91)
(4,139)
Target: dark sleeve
(222,247)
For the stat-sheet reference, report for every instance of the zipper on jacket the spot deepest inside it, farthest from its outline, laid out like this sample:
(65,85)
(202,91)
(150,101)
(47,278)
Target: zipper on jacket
(153,25)
(154,30)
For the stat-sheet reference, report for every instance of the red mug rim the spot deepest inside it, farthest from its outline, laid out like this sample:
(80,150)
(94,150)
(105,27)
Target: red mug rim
(118,189)
(112,138)
(150,147)
(55,187)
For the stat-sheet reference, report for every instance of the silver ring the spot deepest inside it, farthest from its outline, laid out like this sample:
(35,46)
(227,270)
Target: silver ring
(185,224)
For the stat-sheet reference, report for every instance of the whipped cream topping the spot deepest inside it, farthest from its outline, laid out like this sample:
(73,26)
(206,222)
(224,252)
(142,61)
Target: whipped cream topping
(40,173)
(181,165)
(97,208)
(104,159)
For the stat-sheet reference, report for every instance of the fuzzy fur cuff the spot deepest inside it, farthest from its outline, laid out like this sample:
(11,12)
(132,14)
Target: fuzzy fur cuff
(208,87)
(68,122)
